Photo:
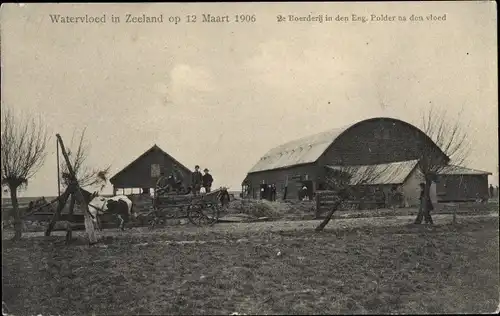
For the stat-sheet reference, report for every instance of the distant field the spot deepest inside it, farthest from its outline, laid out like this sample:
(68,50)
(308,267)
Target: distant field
(24,201)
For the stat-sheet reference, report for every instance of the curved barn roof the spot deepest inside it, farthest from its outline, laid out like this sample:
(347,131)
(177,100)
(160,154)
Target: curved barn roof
(308,149)
(301,151)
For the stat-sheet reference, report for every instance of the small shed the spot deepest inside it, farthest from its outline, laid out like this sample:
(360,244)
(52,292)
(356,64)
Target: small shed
(404,175)
(143,172)
(460,184)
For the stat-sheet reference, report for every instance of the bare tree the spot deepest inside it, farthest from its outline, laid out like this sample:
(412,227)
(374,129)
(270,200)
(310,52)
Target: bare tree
(347,182)
(24,141)
(450,136)
(85,175)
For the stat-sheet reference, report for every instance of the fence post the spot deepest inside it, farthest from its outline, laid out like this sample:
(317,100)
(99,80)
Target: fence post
(318,204)
(455,214)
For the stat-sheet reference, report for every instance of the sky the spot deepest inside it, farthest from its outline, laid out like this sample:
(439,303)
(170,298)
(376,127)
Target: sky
(222,94)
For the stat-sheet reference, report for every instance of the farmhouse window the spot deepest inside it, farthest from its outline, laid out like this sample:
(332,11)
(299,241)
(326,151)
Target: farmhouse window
(155,170)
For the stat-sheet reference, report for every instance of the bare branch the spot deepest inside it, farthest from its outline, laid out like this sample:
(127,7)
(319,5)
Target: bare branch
(449,134)
(24,141)
(86,176)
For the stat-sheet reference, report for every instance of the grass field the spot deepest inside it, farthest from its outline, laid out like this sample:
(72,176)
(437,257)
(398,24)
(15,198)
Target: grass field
(399,269)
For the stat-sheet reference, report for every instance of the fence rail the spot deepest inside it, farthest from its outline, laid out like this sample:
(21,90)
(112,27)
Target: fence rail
(324,201)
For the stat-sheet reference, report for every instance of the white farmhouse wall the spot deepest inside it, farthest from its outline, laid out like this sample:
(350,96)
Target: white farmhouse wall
(411,189)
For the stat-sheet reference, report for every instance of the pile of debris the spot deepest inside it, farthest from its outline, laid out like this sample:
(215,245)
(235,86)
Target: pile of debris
(257,208)
(272,210)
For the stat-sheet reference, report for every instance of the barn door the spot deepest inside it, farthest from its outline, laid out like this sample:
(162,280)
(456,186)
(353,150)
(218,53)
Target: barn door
(293,189)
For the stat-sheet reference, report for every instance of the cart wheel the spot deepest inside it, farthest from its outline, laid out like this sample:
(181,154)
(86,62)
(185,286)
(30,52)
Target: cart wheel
(168,212)
(203,214)
(153,218)
(152,223)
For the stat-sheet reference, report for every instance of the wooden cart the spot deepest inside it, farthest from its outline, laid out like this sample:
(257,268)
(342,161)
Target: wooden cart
(201,209)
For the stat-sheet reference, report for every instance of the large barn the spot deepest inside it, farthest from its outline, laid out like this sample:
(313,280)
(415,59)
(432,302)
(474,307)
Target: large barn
(374,141)
(143,172)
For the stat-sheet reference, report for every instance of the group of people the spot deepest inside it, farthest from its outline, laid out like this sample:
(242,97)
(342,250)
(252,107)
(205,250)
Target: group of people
(268,192)
(174,182)
(199,181)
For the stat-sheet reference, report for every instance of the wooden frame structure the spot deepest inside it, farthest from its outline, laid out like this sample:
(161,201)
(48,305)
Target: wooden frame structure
(73,191)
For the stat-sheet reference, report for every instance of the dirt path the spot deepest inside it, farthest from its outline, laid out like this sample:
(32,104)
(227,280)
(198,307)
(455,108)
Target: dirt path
(275,226)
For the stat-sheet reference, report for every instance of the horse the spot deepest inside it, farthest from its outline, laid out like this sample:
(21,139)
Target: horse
(223,196)
(119,205)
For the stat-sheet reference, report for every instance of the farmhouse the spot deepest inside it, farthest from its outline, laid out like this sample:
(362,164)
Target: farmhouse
(385,143)
(143,172)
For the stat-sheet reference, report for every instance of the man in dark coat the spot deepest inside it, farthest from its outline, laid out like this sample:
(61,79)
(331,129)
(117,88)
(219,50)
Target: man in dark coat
(394,197)
(273,192)
(224,197)
(421,212)
(380,197)
(176,178)
(196,180)
(161,184)
(207,181)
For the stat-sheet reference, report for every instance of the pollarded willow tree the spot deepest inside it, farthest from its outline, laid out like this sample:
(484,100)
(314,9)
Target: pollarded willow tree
(450,135)
(24,143)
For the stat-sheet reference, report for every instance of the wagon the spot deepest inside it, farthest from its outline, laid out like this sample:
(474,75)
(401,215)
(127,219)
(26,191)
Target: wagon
(201,209)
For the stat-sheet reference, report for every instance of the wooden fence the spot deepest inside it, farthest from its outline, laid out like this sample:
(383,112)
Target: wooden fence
(325,201)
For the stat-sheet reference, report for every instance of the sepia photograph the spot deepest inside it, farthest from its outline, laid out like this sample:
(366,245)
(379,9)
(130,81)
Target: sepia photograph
(249,158)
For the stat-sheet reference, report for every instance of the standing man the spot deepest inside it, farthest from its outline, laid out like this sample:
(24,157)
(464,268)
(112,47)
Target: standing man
(394,197)
(379,198)
(273,192)
(426,214)
(161,184)
(492,191)
(207,180)
(177,178)
(196,180)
